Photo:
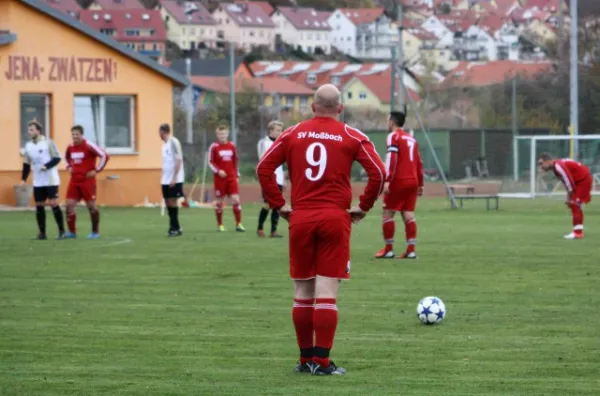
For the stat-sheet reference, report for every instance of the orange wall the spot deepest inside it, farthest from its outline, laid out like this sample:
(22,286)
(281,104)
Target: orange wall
(42,37)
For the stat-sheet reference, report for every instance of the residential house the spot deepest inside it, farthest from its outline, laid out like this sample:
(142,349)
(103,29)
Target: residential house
(279,93)
(114,5)
(69,7)
(245,24)
(492,38)
(304,28)
(141,30)
(502,8)
(373,91)
(213,67)
(363,32)
(189,25)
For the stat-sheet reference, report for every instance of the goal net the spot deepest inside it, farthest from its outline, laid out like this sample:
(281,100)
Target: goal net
(527,181)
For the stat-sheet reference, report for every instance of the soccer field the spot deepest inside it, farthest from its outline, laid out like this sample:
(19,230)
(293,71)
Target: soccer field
(136,313)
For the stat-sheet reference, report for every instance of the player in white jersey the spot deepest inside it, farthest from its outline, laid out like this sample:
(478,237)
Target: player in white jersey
(172,177)
(274,130)
(42,157)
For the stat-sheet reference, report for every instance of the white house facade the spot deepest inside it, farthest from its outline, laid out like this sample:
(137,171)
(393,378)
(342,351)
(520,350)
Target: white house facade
(304,28)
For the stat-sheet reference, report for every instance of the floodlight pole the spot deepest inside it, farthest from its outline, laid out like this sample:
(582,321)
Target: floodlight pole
(574,128)
(401,102)
(232,91)
(189,93)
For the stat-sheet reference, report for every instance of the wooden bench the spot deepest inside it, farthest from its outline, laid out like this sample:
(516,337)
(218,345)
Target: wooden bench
(469,189)
(488,198)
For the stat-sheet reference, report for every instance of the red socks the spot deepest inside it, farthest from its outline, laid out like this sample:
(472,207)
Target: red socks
(219,212)
(389,229)
(325,321)
(577,217)
(71,221)
(95,217)
(410,228)
(237,212)
(302,316)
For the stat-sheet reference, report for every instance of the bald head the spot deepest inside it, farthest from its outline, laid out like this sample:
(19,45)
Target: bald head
(327,101)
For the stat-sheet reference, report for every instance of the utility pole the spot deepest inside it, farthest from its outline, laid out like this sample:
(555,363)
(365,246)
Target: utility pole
(232,91)
(189,93)
(399,17)
(393,66)
(574,128)
(561,30)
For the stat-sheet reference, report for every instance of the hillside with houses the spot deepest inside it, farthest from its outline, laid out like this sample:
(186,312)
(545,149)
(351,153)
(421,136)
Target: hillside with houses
(457,49)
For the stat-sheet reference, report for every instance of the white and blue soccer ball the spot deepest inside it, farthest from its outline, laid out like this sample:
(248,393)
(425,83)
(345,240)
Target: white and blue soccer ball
(431,310)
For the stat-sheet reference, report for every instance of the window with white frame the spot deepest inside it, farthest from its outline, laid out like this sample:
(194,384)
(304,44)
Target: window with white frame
(311,78)
(362,95)
(107,121)
(335,80)
(304,104)
(34,107)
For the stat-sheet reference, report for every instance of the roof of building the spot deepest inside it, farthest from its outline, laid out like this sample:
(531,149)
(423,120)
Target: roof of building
(362,16)
(188,13)
(207,67)
(70,7)
(123,19)
(247,14)
(475,74)
(6,37)
(266,7)
(304,18)
(422,34)
(109,42)
(491,23)
(542,5)
(380,85)
(278,85)
(524,15)
(118,4)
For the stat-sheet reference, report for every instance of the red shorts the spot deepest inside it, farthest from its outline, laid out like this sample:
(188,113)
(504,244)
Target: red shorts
(225,187)
(85,189)
(583,190)
(401,199)
(320,247)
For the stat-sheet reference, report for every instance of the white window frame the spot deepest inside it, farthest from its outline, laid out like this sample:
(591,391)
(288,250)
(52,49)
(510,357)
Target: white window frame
(362,95)
(46,126)
(101,133)
(311,78)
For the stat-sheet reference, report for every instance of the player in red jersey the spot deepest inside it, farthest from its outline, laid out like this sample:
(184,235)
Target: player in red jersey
(84,161)
(403,183)
(577,179)
(223,161)
(319,154)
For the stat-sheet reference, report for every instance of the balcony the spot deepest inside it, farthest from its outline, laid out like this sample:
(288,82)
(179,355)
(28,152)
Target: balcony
(155,54)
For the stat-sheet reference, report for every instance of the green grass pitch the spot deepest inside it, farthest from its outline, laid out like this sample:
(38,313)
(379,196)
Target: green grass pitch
(136,313)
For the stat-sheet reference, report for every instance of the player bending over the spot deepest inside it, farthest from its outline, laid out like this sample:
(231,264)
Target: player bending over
(81,160)
(577,179)
(223,161)
(275,129)
(319,154)
(172,177)
(41,156)
(403,183)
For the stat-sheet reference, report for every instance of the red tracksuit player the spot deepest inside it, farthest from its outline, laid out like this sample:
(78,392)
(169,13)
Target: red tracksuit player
(83,164)
(319,154)
(577,179)
(403,184)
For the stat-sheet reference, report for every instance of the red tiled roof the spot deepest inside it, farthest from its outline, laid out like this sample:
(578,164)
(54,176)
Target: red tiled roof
(422,34)
(459,20)
(247,14)
(543,5)
(70,7)
(303,18)
(118,4)
(269,84)
(380,85)
(491,23)
(197,16)
(482,74)
(524,15)
(266,7)
(119,20)
(360,16)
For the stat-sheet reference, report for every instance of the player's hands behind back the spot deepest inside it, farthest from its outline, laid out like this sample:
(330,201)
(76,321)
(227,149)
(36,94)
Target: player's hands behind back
(222,174)
(356,214)
(285,212)
(90,174)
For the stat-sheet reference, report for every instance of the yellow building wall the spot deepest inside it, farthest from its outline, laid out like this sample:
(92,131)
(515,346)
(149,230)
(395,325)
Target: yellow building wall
(356,87)
(41,40)
(411,45)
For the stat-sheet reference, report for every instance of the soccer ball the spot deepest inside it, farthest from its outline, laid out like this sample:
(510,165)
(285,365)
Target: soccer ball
(431,310)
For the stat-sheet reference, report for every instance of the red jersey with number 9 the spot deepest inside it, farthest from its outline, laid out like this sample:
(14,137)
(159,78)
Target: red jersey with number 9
(403,161)
(319,154)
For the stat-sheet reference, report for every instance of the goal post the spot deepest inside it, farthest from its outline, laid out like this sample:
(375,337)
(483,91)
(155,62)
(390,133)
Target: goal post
(526,181)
